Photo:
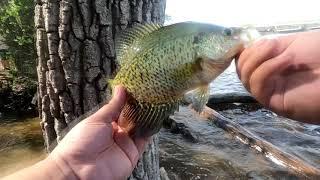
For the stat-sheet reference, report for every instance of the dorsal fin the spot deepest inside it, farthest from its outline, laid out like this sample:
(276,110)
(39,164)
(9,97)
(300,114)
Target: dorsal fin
(127,43)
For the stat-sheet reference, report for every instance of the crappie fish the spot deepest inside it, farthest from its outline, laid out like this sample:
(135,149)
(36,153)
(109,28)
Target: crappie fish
(158,65)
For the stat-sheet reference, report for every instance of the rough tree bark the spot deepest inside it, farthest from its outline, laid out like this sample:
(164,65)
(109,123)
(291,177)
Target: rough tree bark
(75,50)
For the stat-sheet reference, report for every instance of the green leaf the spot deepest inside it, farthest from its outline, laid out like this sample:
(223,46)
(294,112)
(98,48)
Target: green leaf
(17,32)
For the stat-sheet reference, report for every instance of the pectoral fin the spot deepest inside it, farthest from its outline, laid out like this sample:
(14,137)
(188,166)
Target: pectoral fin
(200,98)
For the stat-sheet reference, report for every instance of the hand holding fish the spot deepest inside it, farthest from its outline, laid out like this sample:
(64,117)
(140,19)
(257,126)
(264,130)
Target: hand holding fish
(284,74)
(104,151)
(96,148)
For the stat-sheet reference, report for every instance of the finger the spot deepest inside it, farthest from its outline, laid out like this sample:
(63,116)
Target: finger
(241,59)
(127,145)
(263,79)
(263,52)
(115,126)
(112,110)
(284,41)
(259,52)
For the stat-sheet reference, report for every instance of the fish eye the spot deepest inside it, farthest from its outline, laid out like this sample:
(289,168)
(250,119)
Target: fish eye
(227,32)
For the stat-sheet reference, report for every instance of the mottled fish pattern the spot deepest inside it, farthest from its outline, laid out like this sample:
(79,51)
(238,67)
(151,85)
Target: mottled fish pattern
(158,65)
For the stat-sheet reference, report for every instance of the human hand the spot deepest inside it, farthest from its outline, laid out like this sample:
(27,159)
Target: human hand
(97,148)
(284,74)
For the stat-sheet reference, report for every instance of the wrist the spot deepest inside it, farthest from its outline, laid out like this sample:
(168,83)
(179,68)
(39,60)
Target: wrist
(48,168)
(59,169)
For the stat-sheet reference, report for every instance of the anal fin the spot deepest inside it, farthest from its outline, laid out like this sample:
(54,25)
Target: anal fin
(143,119)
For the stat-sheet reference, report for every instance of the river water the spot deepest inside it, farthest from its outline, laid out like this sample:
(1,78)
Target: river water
(21,143)
(214,155)
(218,155)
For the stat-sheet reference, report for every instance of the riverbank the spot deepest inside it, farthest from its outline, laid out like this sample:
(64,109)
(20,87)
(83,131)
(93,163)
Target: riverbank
(17,95)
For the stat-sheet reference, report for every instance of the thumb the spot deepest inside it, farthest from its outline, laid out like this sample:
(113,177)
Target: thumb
(112,110)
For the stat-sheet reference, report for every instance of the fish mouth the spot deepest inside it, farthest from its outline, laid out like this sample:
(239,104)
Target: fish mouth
(244,34)
(236,32)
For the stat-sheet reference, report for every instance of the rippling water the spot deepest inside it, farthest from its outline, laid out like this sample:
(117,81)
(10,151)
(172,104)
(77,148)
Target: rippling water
(215,155)
(227,82)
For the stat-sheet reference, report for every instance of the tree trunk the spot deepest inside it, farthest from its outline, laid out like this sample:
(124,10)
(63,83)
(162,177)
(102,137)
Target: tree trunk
(75,51)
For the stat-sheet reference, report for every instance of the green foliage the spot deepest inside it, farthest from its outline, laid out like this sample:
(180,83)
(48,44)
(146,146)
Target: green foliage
(17,30)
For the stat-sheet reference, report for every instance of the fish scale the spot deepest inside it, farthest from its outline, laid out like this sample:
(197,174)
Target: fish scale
(169,73)
(158,65)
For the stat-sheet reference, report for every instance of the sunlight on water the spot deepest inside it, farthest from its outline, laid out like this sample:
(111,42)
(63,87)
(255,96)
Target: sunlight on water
(217,154)
(21,143)
(18,158)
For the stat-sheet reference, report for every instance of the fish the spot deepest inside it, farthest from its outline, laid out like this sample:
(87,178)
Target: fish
(158,65)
